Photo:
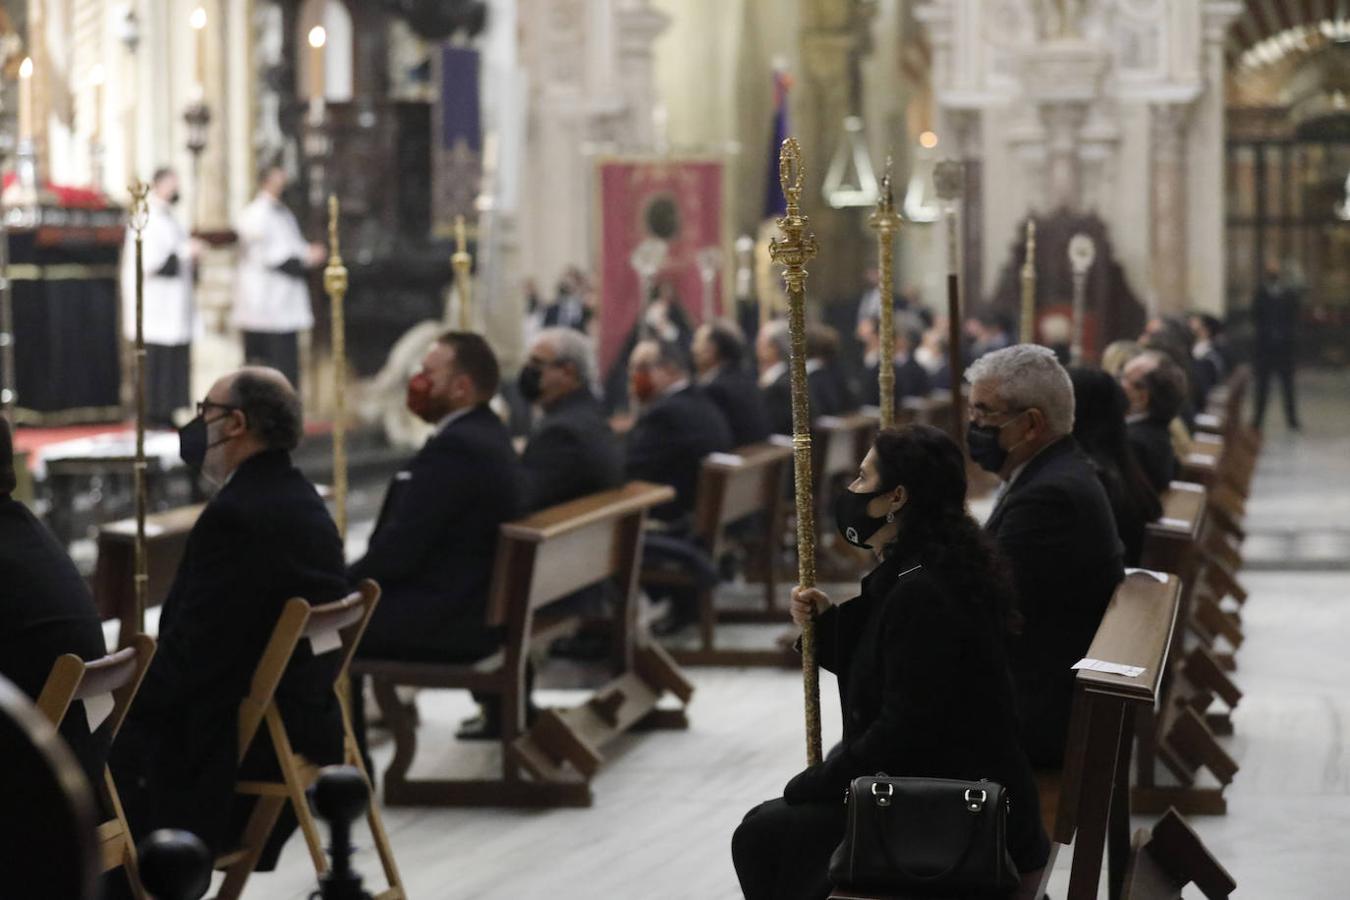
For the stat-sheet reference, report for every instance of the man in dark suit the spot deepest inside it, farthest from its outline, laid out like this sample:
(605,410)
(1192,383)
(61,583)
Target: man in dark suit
(571,451)
(1053,523)
(435,539)
(1275,317)
(773,350)
(1156,389)
(911,379)
(676,427)
(719,361)
(45,611)
(264,538)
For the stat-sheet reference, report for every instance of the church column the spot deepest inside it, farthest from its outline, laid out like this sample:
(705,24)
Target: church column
(1167,162)
(637,27)
(213,182)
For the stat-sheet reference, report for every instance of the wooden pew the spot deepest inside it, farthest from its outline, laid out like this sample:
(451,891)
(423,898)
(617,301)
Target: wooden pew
(115,678)
(1174,733)
(1169,856)
(541,559)
(733,488)
(114,588)
(839,444)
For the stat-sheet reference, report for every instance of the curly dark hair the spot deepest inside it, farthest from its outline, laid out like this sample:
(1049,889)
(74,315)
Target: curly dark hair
(934,521)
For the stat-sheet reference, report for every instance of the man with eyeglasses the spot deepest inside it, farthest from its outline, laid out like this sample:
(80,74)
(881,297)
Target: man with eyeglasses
(264,538)
(572,451)
(1053,523)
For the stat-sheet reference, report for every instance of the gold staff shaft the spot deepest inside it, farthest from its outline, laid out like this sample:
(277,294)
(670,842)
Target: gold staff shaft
(885,221)
(1028,329)
(463,263)
(798,247)
(335,285)
(140,213)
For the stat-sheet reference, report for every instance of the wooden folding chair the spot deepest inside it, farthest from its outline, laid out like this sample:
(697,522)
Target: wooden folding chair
(334,627)
(119,675)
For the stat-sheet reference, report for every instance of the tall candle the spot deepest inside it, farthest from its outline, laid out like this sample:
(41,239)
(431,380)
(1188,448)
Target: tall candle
(96,78)
(198,23)
(317,38)
(26,99)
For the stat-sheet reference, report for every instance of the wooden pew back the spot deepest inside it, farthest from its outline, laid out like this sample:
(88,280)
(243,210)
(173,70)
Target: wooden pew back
(734,486)
(166,535)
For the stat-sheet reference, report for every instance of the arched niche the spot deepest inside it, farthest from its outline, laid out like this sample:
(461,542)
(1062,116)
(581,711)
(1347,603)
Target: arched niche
(338,51)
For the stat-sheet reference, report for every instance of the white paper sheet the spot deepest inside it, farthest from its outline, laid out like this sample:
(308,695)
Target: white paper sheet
(1160,577)
(1110,668)
(1181,524)
(97,709)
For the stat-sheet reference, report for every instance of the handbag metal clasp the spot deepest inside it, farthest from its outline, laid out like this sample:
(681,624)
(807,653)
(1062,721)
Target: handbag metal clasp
(883,799)
(975,800)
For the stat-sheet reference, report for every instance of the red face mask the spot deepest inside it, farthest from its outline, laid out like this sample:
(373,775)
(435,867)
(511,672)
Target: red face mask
(419,397)
(641,383)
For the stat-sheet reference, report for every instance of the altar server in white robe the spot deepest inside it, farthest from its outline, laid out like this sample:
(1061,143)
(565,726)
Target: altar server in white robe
(169,255)
(272,305)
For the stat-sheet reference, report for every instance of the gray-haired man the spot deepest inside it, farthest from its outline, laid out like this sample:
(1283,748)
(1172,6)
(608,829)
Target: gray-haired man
(1054,525)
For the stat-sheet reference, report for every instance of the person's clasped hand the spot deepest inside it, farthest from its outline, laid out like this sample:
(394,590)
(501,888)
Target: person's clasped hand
(808,602)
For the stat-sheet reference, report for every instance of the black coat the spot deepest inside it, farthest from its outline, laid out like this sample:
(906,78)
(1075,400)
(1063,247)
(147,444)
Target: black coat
(1055,527)
(821,395)
(668,442)
(46,612)
(571,453)
(264,538)
(737,396)
(1152,444)
(435,539)
(911,380)
(924,690)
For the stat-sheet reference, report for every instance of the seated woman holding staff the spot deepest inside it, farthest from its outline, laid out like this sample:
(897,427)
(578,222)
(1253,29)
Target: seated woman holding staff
(923,678)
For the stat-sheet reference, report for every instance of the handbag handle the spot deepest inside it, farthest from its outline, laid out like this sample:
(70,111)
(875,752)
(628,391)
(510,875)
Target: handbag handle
(886,848)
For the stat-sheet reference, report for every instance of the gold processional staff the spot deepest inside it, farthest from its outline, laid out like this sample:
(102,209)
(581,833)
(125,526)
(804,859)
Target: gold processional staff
(1028,335)
(885,221)
(797,247)
(139,217)
(335,285)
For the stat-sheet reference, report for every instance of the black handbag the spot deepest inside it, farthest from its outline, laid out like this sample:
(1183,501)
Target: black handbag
(931,836)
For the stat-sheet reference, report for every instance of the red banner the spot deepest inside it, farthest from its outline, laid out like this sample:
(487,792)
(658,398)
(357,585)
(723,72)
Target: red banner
(678,201)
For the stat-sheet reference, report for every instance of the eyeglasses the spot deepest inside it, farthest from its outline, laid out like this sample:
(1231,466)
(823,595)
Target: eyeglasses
(981,414)
(204,405)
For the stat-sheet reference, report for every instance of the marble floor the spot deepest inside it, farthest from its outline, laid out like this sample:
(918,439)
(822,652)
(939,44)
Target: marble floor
(666,803)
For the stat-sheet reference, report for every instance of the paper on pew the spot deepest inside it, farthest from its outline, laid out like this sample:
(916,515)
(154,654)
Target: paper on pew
(1174,523)
(725,459)
(1187,486)
(1201,459)
(325,643)
(1160,577)
(97,709)
(1110,668)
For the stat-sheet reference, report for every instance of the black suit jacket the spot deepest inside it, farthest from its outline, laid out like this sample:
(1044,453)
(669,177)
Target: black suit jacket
(1056,529)
(264,538)
(737,396)
(924,691)
(911,380)
(434,542)
(571,453)
(1152,445)
(668,442)
(820,393)
(45,612)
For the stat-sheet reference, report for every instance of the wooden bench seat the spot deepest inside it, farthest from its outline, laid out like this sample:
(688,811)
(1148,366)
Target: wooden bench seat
(540,559)
(114,586)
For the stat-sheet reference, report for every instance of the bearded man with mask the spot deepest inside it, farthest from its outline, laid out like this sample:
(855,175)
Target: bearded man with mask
(435,538)
(1054,525)
(571,452)
(264,538)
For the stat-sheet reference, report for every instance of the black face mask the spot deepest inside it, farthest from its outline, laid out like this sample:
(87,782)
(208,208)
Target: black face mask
(194,441)
(529,383)
(982,442)
(855,524)
(174,198)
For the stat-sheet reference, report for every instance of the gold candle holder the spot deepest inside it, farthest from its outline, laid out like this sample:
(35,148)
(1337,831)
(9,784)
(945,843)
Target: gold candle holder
(793,252)
(463,264)
(885,221)
(335,285)
(1028,335)
(139,216)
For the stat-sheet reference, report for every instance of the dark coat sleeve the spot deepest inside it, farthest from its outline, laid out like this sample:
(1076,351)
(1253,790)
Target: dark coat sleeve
(1032,537)
(920,668)
(440,486)
(207,617)
(650,446)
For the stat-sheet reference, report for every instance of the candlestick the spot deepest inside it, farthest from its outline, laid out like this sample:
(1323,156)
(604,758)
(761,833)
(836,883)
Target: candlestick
(198,22)
(318,37)
(26,99)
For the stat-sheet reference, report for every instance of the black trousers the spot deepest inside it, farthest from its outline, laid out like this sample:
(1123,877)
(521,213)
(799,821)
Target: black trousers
(1280,365)
(278,349)
(782,852)
(168,378)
